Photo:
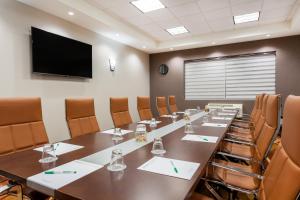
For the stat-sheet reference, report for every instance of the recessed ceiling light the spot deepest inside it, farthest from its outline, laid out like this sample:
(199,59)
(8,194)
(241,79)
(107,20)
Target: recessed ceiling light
(144,47)
(71,13)
(268,35)
(213,43)
(177,30)
(117,34)
(147,5)
(246,18)
(171,48)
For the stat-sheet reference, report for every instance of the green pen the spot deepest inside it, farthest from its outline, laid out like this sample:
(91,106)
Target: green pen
(174,167)
(205,139)
(60,172)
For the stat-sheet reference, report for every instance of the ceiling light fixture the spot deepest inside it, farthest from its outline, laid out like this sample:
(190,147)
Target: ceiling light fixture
(238,19)
(117,34)
(213,43)
(268,35)
(177,30)
(144,47)
(147,5)
(70,13)
(171,48)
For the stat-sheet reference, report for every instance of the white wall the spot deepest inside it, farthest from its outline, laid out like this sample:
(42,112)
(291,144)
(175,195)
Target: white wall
(130,79)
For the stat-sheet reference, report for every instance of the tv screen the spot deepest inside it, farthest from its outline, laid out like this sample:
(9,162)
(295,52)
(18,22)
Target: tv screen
(55,54)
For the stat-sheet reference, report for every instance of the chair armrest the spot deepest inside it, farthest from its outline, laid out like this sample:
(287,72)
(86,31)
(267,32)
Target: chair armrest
(236,169)
(240,142)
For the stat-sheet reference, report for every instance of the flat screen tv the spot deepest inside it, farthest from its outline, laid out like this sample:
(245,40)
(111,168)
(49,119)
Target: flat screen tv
(55,54)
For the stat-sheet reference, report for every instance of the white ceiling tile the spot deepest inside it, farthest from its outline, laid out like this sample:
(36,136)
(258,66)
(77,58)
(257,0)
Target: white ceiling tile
(270,4)
(246,8)
(198,18)
(219,13)
(161,14)
(165,24)
(221,24)
(170,3)
(125,10)
(139,20)
(237,2)
(247,24)
(185,9)
(276,15)
(196,29)
(207,5)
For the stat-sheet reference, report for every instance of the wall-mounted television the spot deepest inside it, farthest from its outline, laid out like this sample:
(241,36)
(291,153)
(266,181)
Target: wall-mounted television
(55,54)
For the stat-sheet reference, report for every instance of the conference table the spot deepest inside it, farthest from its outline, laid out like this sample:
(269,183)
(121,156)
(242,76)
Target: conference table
(131,183)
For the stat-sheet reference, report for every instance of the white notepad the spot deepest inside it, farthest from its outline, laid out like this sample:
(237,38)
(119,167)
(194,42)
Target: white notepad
(47,183)
(166,116)
(200,138)
(62,148)
(148,122)
(112,131)
(214,125)
(164,166)
(226,114)
(222,118)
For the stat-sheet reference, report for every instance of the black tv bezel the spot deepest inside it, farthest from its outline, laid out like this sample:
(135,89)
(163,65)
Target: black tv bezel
(56,74)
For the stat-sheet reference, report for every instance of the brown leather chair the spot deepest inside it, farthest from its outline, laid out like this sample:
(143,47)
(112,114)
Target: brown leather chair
(264,139)
(21,127)
(252,135)
(161,106)
(172,104)
(120,112)
(281,179)
(144,108)
(21,124)
(245,123)
(251,124)
(81,118)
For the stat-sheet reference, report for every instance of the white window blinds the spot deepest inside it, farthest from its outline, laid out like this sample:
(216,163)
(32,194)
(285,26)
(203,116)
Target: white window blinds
(230,78)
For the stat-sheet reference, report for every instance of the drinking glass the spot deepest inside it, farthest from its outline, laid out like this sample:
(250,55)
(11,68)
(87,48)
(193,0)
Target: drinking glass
(158,147)
(205,118)
(116,162)
(188,128)
(174,117)
(187,115)
(153,123)
(141,133)
(48,154)
(198,108)
(117,134)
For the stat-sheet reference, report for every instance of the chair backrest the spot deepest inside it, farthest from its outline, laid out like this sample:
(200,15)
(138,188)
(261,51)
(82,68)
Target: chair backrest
(262,118)
(282,176)
(270,126)
(21,124)
(172,104)
(161,106)
(120,112)
(255,106)
(144,108)
(81,118)
(259,109)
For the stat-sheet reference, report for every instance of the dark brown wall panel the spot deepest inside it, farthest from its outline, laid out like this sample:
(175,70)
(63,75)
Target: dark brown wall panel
(287,68)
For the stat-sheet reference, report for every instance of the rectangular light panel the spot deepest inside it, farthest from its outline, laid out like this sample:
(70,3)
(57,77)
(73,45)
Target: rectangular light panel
(238,19)
(148,5)
(177,30)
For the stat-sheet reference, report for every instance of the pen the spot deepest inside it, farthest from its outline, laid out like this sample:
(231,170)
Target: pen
(205,139)
(60,172)
(174,167)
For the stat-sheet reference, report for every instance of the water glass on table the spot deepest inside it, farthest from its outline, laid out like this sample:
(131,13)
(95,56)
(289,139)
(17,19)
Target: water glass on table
(116,162)
(158,147)
(117,134)
(48,154)
(174,117)
(153,123)
(141,133)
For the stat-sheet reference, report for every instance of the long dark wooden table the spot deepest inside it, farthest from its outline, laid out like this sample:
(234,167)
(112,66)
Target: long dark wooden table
(132,184)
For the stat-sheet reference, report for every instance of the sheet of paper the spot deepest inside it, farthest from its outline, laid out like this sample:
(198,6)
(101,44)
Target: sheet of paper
(62,148)
(226,114)
(147,122)
(111,131)
(166,116)
(222,118)
(47,183)
(166,166)
(180,112)
(200,138)
(214,125)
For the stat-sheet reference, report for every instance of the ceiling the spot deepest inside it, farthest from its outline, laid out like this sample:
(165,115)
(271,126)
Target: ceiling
(209,22)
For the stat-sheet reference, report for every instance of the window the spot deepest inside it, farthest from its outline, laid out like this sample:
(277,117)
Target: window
(241,77)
